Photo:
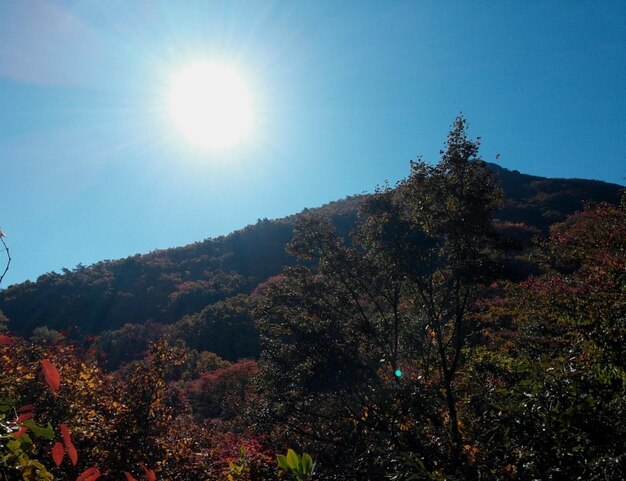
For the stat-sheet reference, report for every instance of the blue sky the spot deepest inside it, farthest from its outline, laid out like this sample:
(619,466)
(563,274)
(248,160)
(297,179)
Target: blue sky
(345,94)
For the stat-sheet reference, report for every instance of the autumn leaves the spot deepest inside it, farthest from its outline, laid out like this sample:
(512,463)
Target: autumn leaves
(51,375)
(59,449)
(62,447)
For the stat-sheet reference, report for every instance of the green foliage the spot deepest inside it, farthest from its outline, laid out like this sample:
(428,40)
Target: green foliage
(208,362)
(4,322)
(195,364)
(547,398)
(19,452)
(298,468)
(45,336)
(17,455)
(162,286)
(239,469)
(41,432)
(408,467)
(225,328)
(129,343)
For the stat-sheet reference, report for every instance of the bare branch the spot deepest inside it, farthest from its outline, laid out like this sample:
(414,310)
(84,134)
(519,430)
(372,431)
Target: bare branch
(6,249)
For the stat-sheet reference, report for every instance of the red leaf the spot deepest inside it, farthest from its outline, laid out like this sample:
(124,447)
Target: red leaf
(150,476)
(65,433)
(129,477)
(5,340)
(23,417)
(72,453)
(20,432)
(53,379)
(69,446)
(57,453)
(28,407)
(90,474)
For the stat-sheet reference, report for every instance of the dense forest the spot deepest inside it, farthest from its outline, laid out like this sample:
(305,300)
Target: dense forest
(467,323)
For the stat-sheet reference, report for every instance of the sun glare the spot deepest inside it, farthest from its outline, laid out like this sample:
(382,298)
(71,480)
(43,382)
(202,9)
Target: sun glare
(211,105)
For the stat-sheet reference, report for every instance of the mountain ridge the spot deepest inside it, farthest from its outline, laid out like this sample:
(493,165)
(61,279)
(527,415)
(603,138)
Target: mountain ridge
(166,284)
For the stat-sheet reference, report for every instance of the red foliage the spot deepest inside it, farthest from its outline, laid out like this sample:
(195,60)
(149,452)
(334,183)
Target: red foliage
(65,433)
(230,444)
(585,289)
(189,286)
(24,417)
(27,408)
(58,453)
(122,423)
(67,440)
(52,376)
(264,286)
(90,474)
(222,393)
(150,475)
(72,454)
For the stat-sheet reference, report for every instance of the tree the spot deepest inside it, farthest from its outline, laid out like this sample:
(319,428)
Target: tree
(445,216)
(45,336)
(223,392)
(4,322)
(374,331)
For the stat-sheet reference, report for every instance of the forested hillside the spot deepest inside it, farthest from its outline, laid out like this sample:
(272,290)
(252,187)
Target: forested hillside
(466,324)
(165,285)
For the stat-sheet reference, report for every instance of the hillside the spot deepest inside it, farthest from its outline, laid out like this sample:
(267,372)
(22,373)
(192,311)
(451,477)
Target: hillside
(165,285)
(412,325)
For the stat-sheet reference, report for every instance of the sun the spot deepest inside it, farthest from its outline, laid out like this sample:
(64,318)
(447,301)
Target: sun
(211,105)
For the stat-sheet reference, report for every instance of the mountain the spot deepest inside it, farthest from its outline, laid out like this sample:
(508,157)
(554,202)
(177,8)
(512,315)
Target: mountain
(164,286)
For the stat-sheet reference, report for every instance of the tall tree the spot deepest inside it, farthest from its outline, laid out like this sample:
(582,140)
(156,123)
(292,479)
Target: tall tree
(375,331)
(439,236)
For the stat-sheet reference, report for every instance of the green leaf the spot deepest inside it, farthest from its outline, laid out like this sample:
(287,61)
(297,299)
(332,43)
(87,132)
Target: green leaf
(40,432)
(282,462)
(307,464)
(14,446)
(293,459)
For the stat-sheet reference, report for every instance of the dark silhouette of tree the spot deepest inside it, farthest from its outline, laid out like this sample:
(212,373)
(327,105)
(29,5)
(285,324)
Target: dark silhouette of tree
(375,333)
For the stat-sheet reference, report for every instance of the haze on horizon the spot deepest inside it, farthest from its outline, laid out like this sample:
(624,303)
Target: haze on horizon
(342,97)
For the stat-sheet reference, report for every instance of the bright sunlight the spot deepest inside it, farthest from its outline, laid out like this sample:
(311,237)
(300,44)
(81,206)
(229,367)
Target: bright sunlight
(211,105)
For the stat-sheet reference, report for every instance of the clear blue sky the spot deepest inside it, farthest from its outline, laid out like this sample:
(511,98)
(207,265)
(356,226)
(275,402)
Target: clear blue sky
(345,94)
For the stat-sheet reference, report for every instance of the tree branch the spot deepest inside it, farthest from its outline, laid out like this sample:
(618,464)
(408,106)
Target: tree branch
(6,249)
